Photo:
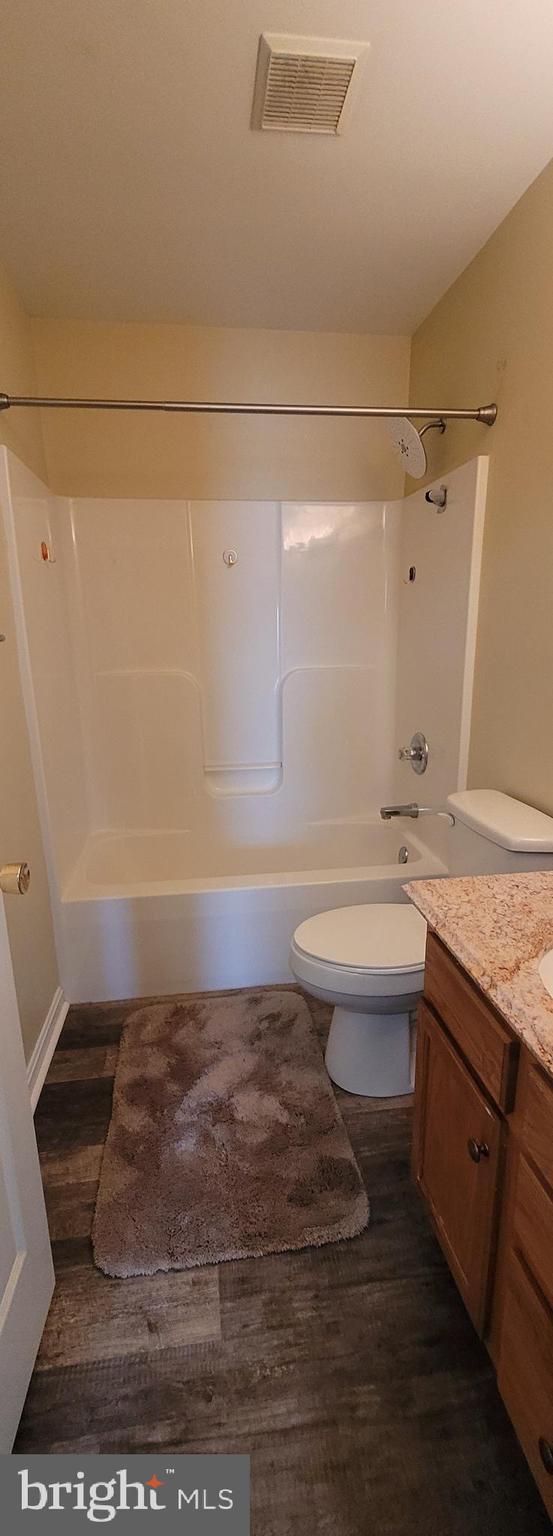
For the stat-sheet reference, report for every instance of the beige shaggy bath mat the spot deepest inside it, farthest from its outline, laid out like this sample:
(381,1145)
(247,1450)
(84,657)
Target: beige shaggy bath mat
(225,1139)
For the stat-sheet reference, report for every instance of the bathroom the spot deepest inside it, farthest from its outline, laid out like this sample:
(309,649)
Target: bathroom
(275,646)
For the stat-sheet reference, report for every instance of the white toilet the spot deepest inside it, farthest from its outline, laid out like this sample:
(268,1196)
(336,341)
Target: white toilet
(369,961)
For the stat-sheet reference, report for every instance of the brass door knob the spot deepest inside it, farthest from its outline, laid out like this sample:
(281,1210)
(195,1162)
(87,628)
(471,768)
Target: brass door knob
(477,1149)
(546,1453)
(15,879)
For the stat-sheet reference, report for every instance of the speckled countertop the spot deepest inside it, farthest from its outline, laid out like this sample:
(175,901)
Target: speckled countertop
(499,927)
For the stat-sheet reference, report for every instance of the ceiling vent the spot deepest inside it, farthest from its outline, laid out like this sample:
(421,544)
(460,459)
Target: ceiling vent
(305,84)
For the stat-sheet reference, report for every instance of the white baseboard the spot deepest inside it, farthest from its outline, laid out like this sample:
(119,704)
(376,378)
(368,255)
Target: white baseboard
(45,1046)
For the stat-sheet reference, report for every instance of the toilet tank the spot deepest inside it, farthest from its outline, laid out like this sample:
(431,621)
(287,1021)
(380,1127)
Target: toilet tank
(495,834)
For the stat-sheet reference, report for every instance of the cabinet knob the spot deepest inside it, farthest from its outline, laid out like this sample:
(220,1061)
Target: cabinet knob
(546,1453)
(477,1149)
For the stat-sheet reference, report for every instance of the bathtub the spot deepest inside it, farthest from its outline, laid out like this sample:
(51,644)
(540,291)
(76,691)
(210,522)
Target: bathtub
(149,913)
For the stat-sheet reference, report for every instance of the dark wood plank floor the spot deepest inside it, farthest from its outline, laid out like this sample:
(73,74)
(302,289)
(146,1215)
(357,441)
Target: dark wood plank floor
(351,1373)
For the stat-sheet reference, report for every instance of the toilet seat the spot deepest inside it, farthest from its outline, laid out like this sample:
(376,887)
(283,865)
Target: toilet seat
(376,949)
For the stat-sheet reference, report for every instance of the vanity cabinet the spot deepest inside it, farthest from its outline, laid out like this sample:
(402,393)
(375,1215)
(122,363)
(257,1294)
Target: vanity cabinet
(457,1153)
(523,1303)
(483,1162)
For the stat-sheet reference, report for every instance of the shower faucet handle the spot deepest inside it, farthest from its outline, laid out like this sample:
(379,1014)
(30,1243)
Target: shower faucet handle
(416,753)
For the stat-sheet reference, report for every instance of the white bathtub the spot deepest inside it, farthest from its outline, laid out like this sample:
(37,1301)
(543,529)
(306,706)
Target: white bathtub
(150,913)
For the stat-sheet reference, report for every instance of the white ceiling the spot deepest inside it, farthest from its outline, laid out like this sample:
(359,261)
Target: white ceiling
(132,187)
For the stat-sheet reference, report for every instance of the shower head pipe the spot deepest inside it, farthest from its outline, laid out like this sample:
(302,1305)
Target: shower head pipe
(483,413)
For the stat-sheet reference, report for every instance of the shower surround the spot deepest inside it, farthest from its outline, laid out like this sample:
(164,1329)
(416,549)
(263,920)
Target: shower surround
(215,693)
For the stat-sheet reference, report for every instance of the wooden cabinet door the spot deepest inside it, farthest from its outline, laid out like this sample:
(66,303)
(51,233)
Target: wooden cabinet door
(456,1160)
(525,1370)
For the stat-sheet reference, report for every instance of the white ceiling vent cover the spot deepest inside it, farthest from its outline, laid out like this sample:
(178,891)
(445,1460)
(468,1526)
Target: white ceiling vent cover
(305,84)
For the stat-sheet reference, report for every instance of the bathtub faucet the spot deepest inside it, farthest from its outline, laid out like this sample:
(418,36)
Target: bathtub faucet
(414,810)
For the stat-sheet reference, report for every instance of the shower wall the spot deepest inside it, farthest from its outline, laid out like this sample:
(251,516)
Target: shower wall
(222,666)
(235,662)
(37,523)
(437,623)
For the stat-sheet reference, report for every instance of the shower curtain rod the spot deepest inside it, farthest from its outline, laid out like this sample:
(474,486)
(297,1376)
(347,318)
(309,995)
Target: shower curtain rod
(483,413)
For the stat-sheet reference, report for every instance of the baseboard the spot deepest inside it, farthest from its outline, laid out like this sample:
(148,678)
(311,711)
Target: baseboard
(45,1046)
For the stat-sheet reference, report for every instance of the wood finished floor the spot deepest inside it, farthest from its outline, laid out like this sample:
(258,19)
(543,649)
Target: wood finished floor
(351,1373)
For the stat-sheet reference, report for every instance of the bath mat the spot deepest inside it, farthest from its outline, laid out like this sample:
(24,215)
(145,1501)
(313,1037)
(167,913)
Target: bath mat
(225,1139)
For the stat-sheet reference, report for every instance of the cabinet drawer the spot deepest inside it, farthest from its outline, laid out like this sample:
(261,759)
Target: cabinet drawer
(533,1225)
(535,1118)
(456,1162)
(525,1372)
(483,1039)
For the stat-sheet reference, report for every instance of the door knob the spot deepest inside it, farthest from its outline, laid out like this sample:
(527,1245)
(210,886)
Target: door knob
(15,879)
(477,1149)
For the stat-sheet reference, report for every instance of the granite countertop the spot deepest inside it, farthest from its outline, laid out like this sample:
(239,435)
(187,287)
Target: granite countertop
(499,927)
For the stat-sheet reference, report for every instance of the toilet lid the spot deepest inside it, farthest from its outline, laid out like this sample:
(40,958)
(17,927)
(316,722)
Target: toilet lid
(384,936)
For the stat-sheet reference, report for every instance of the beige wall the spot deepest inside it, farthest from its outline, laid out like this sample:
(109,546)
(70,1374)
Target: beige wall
(29,920)
(117,454)
(491,337)
(19,430)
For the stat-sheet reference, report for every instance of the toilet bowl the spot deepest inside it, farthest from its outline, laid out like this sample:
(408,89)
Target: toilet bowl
(368,962)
